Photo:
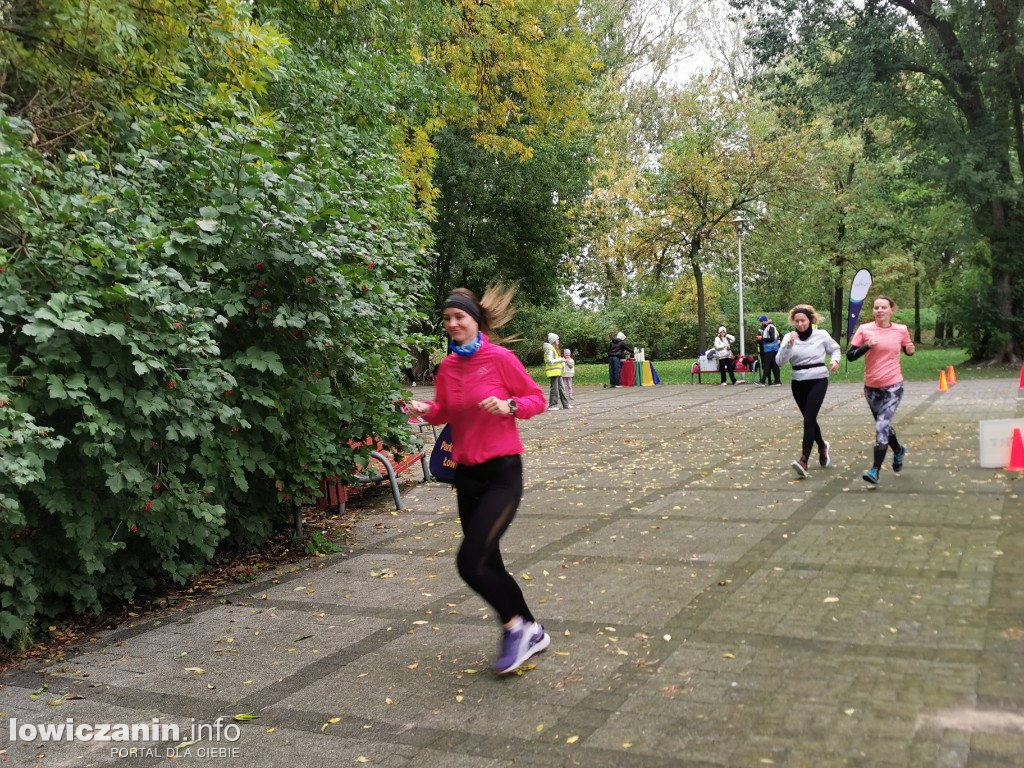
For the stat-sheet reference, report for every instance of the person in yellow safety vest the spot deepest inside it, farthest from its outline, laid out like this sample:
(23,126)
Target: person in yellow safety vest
(553,369)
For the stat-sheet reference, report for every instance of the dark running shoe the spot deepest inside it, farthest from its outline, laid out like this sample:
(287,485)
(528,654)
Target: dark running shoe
(823,455)
(871,476)
(801,468)
(897,459)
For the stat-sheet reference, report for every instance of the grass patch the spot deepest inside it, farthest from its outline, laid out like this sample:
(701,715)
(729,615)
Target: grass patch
(923,366)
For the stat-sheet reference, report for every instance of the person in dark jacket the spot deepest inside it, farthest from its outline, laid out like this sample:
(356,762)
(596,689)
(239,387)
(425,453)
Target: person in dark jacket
(617,352)
(768,343)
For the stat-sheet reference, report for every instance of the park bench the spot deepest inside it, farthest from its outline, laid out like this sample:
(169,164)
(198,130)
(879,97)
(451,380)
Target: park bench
(383,465)
(709,365)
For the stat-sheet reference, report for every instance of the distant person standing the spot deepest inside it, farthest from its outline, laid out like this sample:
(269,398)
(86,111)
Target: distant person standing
(768,341)
(724,356)
(880,343)
(568,371)
(805,349)
(553,369)
(617,352)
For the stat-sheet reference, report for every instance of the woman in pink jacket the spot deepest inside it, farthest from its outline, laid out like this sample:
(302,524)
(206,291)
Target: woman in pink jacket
(480,391)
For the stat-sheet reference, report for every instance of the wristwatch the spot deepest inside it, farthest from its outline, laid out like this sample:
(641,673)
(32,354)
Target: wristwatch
(513,406)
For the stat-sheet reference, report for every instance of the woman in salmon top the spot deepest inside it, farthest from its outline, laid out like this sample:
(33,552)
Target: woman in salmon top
(481,390)
(880,343)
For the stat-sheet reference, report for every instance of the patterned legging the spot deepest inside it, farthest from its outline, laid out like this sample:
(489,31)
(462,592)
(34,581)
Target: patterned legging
(883,402)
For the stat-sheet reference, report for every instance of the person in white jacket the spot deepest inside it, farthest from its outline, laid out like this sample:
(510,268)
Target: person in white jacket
(723,353)
(805,350)
(568,371)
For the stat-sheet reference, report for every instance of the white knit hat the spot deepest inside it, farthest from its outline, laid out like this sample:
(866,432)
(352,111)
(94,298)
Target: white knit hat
(620,336)
(552,338)
(721,328)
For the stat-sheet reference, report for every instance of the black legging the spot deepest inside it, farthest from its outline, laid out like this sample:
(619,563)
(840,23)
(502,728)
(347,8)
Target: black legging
(727,364)
(488,495)
(809,395)
(770,368)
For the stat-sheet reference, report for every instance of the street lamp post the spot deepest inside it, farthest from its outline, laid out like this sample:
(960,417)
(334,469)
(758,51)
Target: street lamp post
(739,223)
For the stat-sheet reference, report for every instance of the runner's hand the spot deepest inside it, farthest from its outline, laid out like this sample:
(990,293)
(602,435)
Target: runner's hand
(419,408)
(494,405)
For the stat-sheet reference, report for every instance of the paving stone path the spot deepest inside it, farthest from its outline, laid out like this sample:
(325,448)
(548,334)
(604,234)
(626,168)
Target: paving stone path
(706,608)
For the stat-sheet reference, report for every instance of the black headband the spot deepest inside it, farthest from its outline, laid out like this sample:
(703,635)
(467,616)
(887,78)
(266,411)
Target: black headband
(803,311)
(466,304)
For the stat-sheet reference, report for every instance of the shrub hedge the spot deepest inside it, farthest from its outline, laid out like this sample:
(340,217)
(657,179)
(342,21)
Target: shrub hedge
(191,328)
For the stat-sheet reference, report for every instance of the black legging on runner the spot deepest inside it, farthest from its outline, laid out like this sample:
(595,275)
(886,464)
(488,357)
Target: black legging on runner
(809,395)
(488,495)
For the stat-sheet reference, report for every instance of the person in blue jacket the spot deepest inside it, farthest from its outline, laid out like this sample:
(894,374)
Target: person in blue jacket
(768,341)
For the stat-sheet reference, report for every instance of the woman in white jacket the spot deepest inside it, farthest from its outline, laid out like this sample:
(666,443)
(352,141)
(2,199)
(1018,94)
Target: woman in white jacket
(805,350)
(723,353)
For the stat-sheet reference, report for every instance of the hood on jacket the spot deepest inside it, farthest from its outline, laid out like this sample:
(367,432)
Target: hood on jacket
(620,336)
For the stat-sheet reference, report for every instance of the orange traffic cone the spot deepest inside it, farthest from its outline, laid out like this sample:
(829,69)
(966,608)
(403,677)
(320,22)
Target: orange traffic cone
(943,386)
(1016,463)
(952,375)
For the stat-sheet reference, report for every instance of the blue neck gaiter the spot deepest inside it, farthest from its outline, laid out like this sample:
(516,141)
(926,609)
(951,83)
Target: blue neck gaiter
(465,350)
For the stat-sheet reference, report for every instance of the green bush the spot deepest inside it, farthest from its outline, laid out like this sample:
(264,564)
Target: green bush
(193,326)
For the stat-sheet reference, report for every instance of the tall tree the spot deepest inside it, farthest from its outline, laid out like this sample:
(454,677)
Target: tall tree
(953,75)
(724,162)
(505,217)
(641,42)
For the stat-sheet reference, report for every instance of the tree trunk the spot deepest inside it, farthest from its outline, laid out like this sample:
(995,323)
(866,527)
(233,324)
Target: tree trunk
(917,311)
(1003,252)
(698,279)
(837,309)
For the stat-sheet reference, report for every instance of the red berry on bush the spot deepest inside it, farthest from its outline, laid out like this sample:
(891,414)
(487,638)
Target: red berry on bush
(149,506)
(177,326)
(135,529)
(260,265)
(309,279)
(229,392)
(156,486)
(172,384)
